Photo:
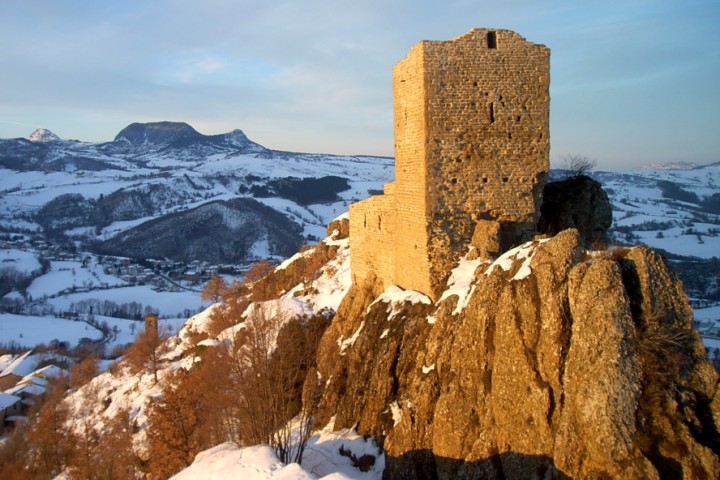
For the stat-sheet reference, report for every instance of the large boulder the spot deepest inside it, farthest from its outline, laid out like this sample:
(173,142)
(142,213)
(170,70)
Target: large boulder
(577,202)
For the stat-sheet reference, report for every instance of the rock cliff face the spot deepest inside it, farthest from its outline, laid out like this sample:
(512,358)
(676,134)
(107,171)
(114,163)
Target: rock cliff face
(551,362)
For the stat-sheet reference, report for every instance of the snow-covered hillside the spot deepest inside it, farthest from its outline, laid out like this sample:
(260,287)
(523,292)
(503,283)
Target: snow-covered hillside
(198,168)
(121,389)
(667,209)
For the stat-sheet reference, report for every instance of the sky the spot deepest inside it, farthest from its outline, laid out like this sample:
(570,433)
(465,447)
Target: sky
(632,81)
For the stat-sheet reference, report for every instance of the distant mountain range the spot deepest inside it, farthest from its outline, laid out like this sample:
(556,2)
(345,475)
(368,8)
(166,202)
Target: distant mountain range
(107,197)
(160,185)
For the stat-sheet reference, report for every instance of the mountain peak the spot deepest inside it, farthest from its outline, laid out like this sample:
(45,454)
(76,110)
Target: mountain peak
(43,135)
(157,133)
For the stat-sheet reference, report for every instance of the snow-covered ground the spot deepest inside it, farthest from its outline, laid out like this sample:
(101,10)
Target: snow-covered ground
(168,304)
(20,260)
(322,460)
(709,318)
(70,282)
(30,330)
(641,214)
(678,227)
(65,275)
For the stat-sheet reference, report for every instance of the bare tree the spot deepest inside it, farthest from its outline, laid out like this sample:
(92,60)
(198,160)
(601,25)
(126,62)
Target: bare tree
(577,164)
(271,360)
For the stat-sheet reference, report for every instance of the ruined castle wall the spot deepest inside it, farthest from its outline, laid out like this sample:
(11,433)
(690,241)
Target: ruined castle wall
(411,252)
(487,100)
(471,142)
(373,228)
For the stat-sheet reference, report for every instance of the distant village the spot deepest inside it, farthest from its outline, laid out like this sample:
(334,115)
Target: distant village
(23,381)
(165,275)
(160,275)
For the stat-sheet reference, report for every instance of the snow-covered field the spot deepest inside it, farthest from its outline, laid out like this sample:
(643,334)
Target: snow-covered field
(66,275)
(168,304)
(711,317)
(679,227)
(70,282)
(20,260)
(30,330)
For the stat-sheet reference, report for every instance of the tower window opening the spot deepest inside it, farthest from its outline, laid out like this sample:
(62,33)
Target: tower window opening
(492,112)
(492,39)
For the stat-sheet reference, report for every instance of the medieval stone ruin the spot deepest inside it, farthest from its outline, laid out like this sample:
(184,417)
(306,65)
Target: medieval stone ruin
(471,153)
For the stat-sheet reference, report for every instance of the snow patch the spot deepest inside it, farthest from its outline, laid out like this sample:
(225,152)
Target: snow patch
(429,369)
(461,283)
(396,413)
(395,297)
(322,458)
(507,260)
(293,259)
(344,344)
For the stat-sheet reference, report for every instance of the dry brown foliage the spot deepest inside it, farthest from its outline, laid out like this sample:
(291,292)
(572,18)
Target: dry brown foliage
(175,425)
(145,352)
(83,372)
(51,440)
(105,455)
(14,457)
(662,350)
(229,311)
(244,393)
(235,297)
(271,363)
(213,290)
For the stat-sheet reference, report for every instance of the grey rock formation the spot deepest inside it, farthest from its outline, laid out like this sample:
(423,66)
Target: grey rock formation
(588,367)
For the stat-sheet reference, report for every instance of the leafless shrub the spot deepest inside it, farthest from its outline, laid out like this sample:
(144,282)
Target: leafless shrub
(577,164)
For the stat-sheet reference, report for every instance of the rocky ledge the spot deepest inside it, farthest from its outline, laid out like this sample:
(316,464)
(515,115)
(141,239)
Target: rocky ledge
(550,362)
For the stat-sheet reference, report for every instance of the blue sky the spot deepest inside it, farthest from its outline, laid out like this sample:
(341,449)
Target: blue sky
(632,81)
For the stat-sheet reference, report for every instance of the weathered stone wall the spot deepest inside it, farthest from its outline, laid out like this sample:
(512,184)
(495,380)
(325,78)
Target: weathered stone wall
(373,231)
(487,102)
(409,95)
(471,143)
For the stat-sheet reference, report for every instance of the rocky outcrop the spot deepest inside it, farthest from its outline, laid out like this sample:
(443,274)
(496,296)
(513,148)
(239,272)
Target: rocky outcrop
(553,363)
(577,202)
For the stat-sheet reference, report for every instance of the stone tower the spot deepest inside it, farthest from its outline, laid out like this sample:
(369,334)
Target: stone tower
(151,323)
(471,143)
